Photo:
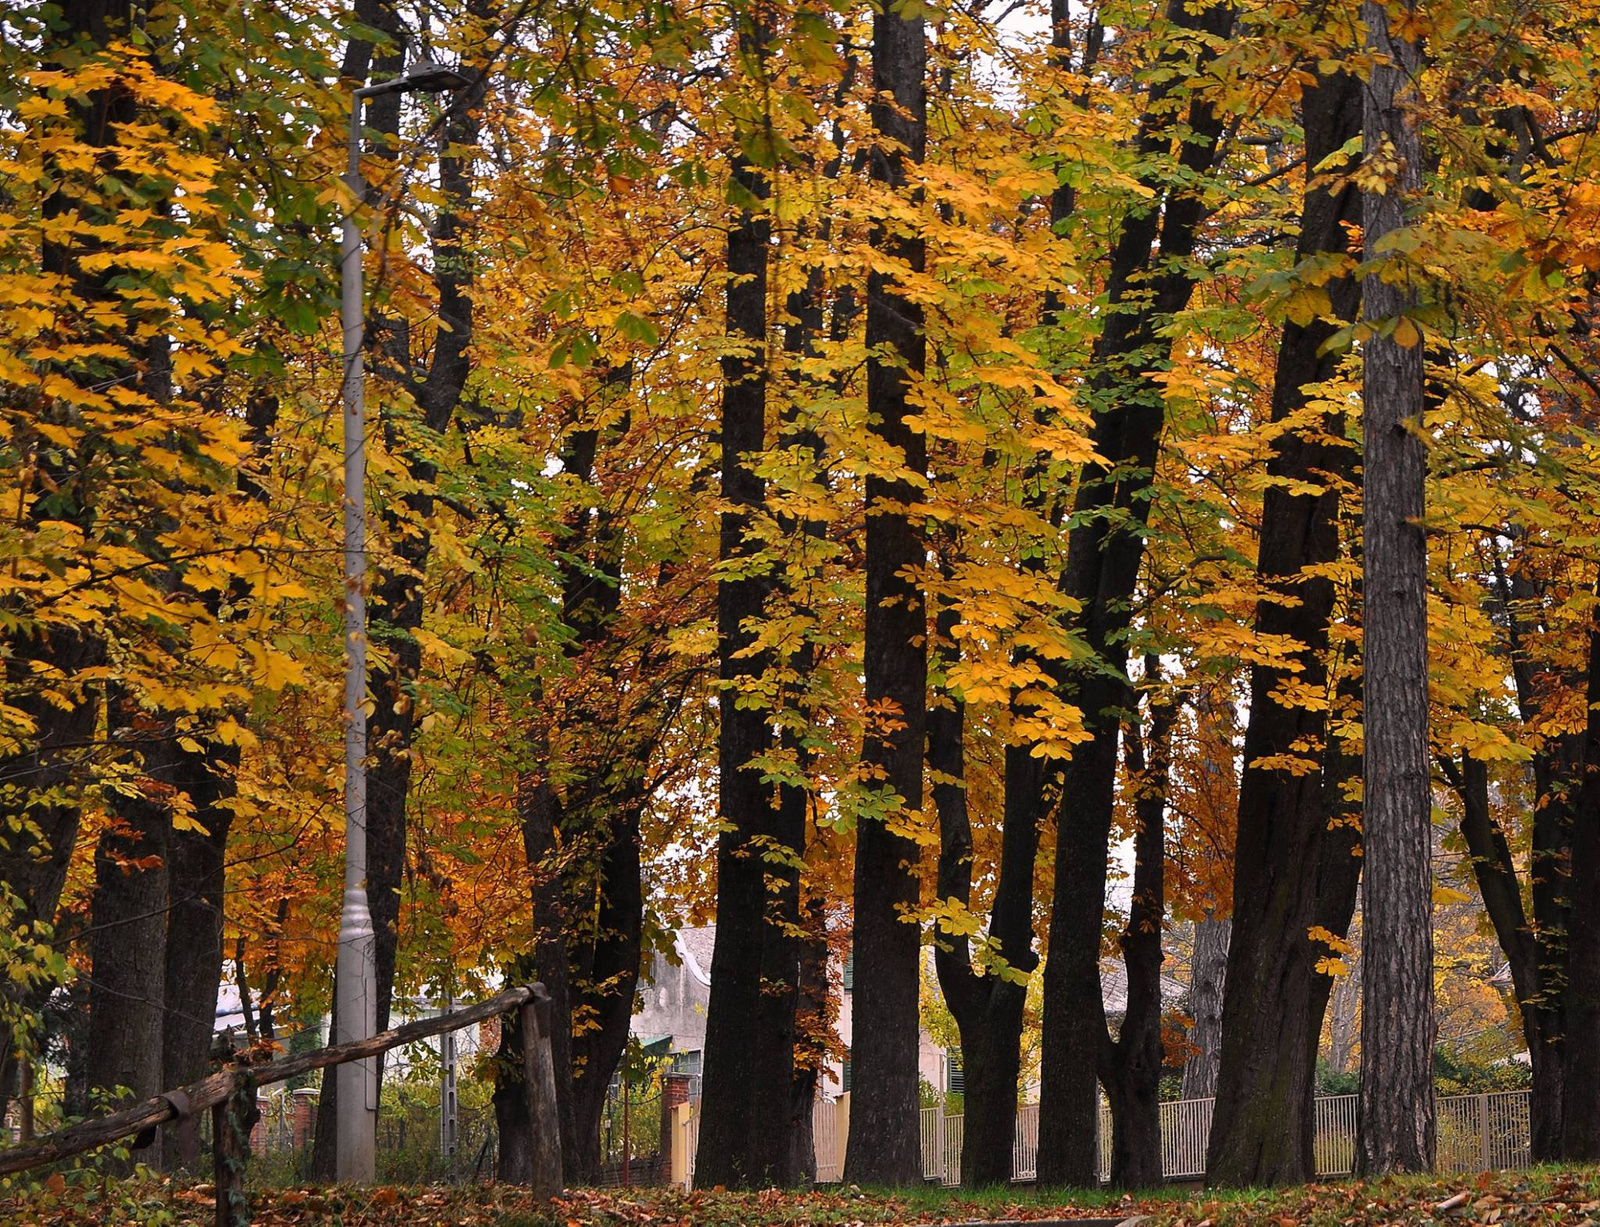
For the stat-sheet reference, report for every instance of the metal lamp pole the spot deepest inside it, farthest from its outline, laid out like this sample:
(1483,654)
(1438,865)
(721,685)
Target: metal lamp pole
(355,975)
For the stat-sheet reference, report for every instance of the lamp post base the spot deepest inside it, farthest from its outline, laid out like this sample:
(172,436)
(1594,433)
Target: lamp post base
(355,990)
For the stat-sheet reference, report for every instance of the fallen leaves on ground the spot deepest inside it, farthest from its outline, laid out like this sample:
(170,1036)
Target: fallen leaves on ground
(193,1205)
(1547,1197)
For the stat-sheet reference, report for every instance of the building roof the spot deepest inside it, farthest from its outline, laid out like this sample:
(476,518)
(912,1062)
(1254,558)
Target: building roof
(1114,988)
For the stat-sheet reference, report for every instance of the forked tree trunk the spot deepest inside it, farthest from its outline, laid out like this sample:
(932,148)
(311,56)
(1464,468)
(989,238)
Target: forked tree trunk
(1104,554)
(1395,1123)
(988,1009)
(1526,952)
(1131,1065)
(884,1146)
(745,1124)
(1292,867)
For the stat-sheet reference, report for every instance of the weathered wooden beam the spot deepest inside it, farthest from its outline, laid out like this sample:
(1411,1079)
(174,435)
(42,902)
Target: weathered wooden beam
(228,1154)
(209,1092)
(539,1085)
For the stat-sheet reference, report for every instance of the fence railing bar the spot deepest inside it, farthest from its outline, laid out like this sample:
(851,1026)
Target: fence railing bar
(1488,1130)
(210,1091)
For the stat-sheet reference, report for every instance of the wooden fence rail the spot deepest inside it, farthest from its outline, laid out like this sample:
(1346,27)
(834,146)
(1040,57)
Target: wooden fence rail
(142,1119)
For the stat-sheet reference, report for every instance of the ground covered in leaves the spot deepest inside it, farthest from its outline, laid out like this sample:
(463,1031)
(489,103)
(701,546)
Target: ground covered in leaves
(1559,1198)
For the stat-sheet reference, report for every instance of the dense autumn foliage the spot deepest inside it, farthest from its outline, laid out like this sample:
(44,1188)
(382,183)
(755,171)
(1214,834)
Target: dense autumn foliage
(890,474)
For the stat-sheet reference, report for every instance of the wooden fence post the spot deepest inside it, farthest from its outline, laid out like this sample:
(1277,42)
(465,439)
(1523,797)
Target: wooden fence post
(230,1132)
(539,1085)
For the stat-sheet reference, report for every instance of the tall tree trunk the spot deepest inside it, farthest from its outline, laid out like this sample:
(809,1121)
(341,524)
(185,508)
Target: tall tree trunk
(609,975)
(196,873)
(582,849)
(1130,1067)
(1344,1018)
(42,776)
(128,1005)
(1534,943)
(128,918)
(1207,980)
(1530,964)
(1395,1124)
(884,1146)
(749,1045)
(1262,1124)
(549,963)
(814,1011)
(1105,550)
(988,1008)
(193,955)
(1580,1091)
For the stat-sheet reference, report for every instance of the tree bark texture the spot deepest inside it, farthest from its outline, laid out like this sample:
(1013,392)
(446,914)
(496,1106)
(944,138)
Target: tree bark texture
(1208,976)
(1534,941)
(814,1012)
(193,955)
(42,777)
(884,1146)
(1344,1017)
(128,917)
(1395,1123)
(1293,868)
(1105,551)
(745,1139)
(1580,1091)
(1528,952)
(989,1009)
(1130,1066)
(581,839)
(987,1006)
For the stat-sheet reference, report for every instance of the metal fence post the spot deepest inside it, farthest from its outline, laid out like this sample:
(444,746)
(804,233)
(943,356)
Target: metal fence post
(449,1108)
(1483,1132)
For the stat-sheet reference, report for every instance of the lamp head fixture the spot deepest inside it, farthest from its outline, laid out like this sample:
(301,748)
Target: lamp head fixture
(429,78)
(423,77)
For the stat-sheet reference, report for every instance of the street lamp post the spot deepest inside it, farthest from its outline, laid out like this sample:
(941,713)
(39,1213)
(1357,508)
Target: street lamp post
(355,974)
